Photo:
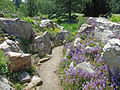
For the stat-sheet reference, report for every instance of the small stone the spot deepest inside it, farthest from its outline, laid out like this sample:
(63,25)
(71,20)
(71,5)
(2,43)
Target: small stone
(4,84)
(44,59)
(77,42)
(35,81)
(25,77)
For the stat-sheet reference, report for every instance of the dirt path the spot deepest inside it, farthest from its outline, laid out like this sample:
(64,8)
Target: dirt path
(48,69)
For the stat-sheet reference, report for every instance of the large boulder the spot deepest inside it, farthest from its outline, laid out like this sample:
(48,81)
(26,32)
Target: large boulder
(111,55)
(60,37)
(18,61)
(9,45)
(86,67)
(16,27)
(106,29)
(4,84)
(42,44)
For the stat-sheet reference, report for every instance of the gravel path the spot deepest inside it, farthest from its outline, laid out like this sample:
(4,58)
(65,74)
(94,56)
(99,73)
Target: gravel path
(48,69)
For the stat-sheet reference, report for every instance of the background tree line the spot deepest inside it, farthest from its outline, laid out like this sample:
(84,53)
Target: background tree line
(64,8)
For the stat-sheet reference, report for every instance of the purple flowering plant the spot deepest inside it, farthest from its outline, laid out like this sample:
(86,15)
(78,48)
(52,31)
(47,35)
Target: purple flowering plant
(100,80)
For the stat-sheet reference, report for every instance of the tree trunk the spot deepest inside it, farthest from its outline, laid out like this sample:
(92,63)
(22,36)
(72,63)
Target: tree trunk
(69,9)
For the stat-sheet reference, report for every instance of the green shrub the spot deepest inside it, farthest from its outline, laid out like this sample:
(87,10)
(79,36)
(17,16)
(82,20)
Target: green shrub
(81,21)
(71,27)
(7,15)
(18,86)
(115,18)
(2,35)
(3,64)
(28,20)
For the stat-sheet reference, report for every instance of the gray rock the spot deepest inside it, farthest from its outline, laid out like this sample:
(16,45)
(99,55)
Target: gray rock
(4,84)
(35,81)
(10,45)
(106,29)
(111,55)
(18,61)
(42,44)
(60,36)
(71,65)
(86,67)
(45,59)
(25,77)
(84,27)
(47,24)
(16,27)
(88,48)
(77,42)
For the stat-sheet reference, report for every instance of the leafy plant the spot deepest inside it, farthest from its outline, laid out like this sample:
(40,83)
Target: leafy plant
(3,64)
(81,20)
(18,86)
(115,18)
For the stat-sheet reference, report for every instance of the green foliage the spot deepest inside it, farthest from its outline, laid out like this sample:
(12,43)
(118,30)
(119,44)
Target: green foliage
(115,18)
(81,20)
(7,15)
(96,8)
(22,10)
(45,6)
(68,6)
(7,6)
(31,7)
(17,2)
(71,27)
(18,86)
(1,35)
(27,19)
(115,4)
(3,64)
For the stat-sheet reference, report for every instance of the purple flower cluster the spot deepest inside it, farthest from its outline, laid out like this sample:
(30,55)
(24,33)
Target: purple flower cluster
(76,80)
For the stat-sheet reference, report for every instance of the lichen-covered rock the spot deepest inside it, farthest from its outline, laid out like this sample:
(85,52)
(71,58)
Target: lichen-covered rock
(4,84)
(18,61)
(111,55)
(105,29)
(9,45)
(16,27)
(86,67)
(42,44)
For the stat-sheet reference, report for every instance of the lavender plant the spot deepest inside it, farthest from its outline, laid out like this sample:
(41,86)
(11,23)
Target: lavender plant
(100,80)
